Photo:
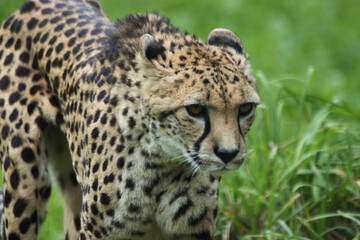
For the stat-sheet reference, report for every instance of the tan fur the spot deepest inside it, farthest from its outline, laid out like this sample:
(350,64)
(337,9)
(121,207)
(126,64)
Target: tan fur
(105,108)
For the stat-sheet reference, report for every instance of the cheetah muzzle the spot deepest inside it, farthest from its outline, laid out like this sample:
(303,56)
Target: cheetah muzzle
(135,122)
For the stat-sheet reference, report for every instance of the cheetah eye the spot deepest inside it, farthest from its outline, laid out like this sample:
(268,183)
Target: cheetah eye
(246,109)
(196,110)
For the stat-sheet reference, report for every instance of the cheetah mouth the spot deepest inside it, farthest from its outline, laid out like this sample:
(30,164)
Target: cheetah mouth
(210,164)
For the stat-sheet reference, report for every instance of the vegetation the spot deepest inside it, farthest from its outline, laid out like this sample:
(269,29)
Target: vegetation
(302,177)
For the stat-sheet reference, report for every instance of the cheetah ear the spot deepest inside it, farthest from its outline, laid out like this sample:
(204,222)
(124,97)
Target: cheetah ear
(226,38)
(150,48)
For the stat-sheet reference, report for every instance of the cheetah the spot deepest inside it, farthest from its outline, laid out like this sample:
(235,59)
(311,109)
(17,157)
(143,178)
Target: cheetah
(134,120)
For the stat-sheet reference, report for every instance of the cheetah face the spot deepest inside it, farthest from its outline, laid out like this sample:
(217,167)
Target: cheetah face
(204,104)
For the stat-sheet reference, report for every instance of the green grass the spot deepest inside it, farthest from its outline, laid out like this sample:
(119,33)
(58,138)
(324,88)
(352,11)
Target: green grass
(301,180)
(302,177)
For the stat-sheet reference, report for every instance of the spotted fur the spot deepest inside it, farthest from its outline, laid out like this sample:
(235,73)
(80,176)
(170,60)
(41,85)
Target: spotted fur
(134,121)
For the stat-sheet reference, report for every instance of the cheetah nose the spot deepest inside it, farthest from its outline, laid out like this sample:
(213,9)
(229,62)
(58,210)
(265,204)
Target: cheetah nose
(225,154)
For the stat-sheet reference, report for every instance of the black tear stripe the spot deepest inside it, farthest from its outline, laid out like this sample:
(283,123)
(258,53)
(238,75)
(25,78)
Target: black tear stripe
(203,136)
(241,133)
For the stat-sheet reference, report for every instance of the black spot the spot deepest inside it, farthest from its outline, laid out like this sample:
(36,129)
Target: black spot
(112,121)
(60,5)
(5,132)
(120,162)
(71,42)
(67,13)
(7,198)
(71,20)
(83,32)
(215,212)
(14,97)
(24,57)
(96,31)
(41,123)
(69,32)
(34,89)
(46,11)
(95,184)
(4,83)
(103,121)
(52,40)
(110,213)
(131,122)
(34,217)
(9,43)
(133,208)
(54,101)
(57,82)
(130,184)
(43,22)
(36,78)
(13,116)
(105,165)
(95,168)
(97,234)
(48,66)
(44,37)
(89,42)
(21,87)
(119,148)
(6,163)
(24,225)
(32,23)
(67,56)
(13,236)
(31,107)
(94,209)
(27,155)
(82,236)
(18,44)
(114,101)
(22,71)
(49,51)
(14,179)
(45,192)
(19,207)
(16,26)
(16,141)
(37,37)
(59,27)
(8,21)
(95,133)
(8,59)
(35,172)
(59,47)
(97,115)
(27,7)
(77,223)
(76,49)
(104,199)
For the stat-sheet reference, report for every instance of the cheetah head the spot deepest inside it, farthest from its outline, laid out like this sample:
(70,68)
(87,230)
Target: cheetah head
(201,98)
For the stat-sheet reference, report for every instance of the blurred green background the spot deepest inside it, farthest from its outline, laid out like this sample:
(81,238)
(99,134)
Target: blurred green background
(306,57)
